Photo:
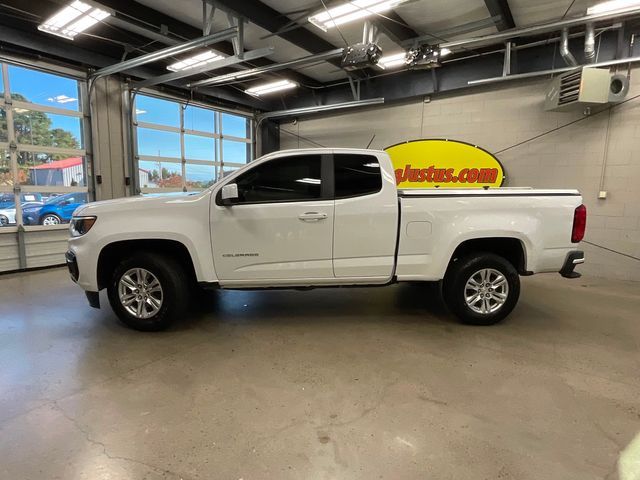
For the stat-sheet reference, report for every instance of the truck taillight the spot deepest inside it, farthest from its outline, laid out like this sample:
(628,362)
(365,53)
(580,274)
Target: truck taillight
(579,224)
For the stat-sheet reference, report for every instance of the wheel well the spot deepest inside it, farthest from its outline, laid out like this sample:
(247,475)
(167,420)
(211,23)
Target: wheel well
(511,249)
(111,254)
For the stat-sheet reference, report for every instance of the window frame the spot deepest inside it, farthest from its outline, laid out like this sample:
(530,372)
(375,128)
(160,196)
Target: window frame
(326,178)
(218,164)
(83,113)
(335,197)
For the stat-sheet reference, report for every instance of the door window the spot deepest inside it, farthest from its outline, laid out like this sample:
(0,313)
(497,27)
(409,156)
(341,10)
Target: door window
(356,175)
(287,179)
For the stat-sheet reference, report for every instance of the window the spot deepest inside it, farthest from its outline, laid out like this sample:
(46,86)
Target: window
(42,112)
(283,180)
(187,147)
(356,175)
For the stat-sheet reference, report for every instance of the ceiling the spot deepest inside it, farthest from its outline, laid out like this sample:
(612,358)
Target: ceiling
(283,24)
(433,17)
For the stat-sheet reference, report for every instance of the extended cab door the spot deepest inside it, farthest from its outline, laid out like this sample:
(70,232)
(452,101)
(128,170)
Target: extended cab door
(366,216)
(281,228)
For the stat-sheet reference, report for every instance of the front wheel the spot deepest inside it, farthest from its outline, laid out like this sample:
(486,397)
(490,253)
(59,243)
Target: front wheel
(50,219)
(148,291)
(481,288)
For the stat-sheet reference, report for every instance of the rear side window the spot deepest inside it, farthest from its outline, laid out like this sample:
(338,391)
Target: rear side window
(356,175)
(288,179)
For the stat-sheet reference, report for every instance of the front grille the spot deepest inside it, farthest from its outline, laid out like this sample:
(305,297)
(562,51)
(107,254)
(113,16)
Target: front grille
(72,265)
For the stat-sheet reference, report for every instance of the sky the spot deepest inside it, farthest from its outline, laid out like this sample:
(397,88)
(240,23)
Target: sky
(61,92)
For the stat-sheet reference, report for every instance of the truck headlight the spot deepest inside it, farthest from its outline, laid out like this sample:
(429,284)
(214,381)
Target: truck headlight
(81,225)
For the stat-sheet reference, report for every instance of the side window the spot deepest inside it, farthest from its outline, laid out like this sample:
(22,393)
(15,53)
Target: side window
(356,175)
(282,180)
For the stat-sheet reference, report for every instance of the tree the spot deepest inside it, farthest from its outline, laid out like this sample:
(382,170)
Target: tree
(34,128)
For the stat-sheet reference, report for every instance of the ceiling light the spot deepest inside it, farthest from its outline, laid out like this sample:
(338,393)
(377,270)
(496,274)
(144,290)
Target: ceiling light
(392,61)
(271,87)
(445,51)
(61,99)
(612,6)
(73,19)
(311,181)
(350,11)
(195,61)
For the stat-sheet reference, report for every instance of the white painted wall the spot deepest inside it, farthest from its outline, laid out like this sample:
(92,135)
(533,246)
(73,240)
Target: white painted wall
(498,117)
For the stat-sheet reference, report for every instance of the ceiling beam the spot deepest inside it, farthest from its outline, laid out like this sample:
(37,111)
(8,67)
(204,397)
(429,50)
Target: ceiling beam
(501,8)
(187,31)
(275,22)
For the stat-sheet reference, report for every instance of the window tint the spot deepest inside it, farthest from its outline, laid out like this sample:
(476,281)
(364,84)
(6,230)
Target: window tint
(356,175)
(286,179)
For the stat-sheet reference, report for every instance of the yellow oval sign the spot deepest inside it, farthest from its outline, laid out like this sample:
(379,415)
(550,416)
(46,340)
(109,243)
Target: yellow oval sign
(444,164)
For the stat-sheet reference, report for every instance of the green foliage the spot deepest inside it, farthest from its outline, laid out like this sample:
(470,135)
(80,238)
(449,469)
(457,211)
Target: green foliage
(34,128)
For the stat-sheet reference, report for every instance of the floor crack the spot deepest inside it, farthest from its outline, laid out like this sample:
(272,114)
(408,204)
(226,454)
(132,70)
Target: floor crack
(87,435)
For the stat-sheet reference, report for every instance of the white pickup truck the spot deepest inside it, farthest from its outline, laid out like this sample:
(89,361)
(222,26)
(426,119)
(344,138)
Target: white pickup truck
(322,218)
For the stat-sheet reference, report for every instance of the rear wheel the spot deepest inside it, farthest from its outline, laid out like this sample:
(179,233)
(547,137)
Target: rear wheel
(481,288)
(148,291)
(50,219)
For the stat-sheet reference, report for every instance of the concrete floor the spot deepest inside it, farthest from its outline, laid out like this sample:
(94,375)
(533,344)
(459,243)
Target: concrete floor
(324,384)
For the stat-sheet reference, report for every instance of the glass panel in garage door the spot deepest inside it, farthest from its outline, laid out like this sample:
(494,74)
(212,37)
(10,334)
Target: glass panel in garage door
(199,177)
(51,169)
(234,152)
(51,208)
(34,86)
(47,129)
(157,111)
(199,119)
(160,174)
(158,143)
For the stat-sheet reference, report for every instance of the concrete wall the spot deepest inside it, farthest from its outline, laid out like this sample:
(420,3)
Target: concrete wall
(498,117)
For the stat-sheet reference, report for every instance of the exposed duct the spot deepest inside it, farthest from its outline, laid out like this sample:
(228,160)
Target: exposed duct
(319,109)
(565,53)
(590,43)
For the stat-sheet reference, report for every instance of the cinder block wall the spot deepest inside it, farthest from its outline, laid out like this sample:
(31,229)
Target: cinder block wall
(497,118)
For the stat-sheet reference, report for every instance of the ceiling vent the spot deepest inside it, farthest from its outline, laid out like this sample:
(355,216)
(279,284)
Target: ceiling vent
(585,87)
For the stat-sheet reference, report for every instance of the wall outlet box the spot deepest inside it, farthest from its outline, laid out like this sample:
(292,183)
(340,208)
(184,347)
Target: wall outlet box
(602,194)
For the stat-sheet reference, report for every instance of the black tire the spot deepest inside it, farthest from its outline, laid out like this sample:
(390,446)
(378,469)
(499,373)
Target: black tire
(56,219)
(461,271)
(175,290)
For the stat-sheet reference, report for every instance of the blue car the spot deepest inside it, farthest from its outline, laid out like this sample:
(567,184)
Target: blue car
(8,200)
(56,210)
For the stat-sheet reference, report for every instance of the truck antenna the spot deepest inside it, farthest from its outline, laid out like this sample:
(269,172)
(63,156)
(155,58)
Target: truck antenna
(371,141)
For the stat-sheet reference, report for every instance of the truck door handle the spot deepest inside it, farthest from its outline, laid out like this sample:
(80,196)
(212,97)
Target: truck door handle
(312,216)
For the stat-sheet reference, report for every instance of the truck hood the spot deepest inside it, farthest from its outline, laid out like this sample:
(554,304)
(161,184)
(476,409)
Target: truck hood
(139,203)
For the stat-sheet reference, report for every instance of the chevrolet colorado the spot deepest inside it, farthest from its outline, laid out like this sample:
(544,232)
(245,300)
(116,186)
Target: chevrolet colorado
(322,218)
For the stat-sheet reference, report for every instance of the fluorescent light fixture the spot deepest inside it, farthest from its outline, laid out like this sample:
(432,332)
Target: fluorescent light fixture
(392,61)
(62,99)
(271,87)
(350,11)
(195,61)
(612,6)
(444,52)
(312,181)
(73,19)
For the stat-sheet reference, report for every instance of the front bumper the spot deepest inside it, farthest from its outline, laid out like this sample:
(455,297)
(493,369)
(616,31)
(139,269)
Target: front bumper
(573,259)
(72,264)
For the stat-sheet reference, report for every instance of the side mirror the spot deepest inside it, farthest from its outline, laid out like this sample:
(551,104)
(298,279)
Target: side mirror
(229,194)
